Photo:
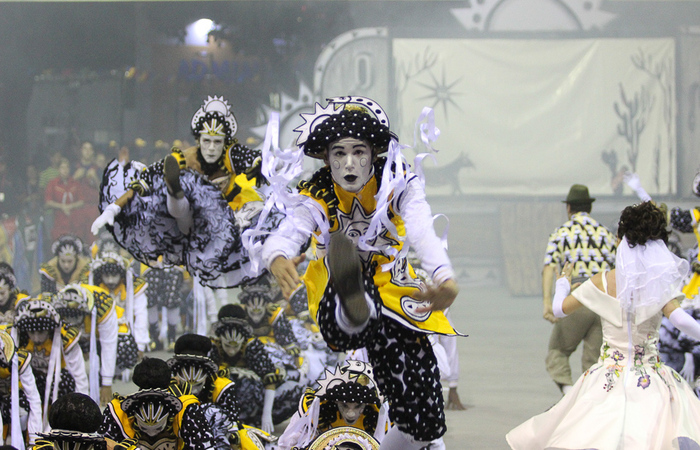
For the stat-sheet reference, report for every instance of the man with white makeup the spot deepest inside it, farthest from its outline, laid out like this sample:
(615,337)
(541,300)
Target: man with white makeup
(363,211)
(191,207)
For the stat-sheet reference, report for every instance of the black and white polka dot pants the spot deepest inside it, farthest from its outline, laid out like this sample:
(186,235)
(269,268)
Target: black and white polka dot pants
(404,366)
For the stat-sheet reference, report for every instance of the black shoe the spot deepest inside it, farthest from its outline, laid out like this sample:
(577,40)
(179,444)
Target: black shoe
(156,345)
(346,276)
(172,336)
(171,172)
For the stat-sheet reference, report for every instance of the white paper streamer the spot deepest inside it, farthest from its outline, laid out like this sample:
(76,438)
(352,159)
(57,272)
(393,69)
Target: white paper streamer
(280,168)
(17,439)
(94,358)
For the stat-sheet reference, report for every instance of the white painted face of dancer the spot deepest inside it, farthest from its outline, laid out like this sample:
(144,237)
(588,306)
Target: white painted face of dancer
(350,411)
(350,161)
(211,147)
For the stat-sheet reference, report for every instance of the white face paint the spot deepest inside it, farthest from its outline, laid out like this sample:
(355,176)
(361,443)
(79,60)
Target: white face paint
(350,161)
(151,419)
(193,375)
(111,280)
(4,292)
(231,348)
(211,147)
(350,411)
(67,262)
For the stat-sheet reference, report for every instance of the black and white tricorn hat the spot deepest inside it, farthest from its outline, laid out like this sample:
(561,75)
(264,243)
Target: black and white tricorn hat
(357,117)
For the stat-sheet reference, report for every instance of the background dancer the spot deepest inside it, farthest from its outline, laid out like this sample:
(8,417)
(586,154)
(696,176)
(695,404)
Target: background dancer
(591,248)
(182,208)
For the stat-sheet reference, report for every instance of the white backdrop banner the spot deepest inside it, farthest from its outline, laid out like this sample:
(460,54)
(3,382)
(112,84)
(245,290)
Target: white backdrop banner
(532,117)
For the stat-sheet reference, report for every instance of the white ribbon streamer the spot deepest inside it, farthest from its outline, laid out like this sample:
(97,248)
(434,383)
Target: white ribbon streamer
(53,374)
(94,358)
(17,439)
(280,168)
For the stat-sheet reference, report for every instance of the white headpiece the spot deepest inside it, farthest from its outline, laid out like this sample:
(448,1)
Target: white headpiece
(648,276)
(215,117)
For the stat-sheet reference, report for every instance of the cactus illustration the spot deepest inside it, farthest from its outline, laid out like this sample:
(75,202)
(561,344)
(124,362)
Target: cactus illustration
(633,113)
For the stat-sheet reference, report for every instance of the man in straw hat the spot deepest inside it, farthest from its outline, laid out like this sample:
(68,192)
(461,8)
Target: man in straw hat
(591,248)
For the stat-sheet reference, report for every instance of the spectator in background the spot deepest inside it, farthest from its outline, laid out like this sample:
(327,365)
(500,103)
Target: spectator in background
(63,195)
(101,163)
(50,172)
(87,173)
(30,196)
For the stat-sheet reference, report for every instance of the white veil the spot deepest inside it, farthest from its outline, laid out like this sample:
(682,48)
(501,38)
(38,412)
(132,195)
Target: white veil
(648,276)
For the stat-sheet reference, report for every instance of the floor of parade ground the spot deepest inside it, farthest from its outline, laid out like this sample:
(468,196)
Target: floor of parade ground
(503,380)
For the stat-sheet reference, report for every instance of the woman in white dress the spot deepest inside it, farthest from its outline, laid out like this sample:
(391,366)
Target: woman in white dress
(629,399)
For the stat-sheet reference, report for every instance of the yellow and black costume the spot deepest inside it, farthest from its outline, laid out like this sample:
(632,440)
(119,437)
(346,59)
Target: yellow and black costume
(382,223)
(211,248)
(53,279)
(57,362)
(318,411)
(12,297)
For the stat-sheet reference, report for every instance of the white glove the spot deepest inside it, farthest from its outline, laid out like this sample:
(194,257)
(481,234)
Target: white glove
(267,425)
(632,180)
(561,291)
(688,370)
(106,218)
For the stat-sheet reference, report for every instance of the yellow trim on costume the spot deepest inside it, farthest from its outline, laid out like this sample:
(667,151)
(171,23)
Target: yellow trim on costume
(264,339)
(79,275)
(103,301)
(247,193)
(122,418)
(186,400)
(22,357)
(139,283)
(246,442)
(274,315)
(396,299)
(123,326)
(70,336)
(220,385)
(180,157)
(691,289)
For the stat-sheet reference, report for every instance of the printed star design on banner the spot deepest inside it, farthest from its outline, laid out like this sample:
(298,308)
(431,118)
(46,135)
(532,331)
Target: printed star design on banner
(355,225)
(441,91)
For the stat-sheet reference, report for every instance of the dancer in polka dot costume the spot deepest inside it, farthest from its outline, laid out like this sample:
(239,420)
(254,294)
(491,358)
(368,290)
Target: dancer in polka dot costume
(347,396)
(163,415)
(191,207)
(363,212)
